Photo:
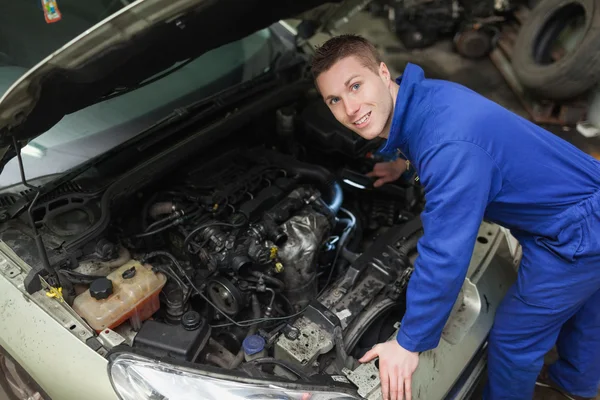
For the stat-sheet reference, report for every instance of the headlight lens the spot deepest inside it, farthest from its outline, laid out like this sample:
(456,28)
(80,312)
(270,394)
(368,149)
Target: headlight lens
(139,378)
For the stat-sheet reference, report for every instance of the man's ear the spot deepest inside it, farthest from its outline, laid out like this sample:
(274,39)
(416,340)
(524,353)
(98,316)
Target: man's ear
(384,72)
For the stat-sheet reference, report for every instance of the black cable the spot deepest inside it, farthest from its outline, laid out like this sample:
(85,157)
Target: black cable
(154,232)
(159,222)
(78,277)
(169,256)
(341,245)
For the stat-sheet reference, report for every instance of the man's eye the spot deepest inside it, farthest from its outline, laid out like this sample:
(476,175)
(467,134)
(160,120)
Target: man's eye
(334,100)
(355,86)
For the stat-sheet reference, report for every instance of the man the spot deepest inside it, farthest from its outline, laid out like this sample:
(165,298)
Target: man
(476,159)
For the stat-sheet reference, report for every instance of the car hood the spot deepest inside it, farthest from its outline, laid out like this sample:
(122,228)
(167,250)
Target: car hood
(132,45)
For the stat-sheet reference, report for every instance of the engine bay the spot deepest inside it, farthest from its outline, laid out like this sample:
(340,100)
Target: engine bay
(270,257)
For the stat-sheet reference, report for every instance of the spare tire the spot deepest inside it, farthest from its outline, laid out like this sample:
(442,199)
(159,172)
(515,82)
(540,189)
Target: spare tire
(578,69)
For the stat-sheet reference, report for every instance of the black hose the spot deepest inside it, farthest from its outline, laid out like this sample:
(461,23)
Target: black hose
(158,223)
(408,245)
(165,254)
(341,244)
(329,186)
(161,208)
(218,361)
(280,285)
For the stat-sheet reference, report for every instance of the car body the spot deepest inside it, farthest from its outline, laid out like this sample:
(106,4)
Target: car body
(261,211)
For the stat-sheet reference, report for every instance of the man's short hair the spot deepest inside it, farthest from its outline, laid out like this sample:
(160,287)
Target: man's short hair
(343,46)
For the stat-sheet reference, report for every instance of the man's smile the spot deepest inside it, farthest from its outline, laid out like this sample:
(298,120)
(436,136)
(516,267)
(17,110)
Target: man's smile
(363,120)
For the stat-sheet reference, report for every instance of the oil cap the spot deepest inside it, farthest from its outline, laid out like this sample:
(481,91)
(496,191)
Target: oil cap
(101,288)
(253,344)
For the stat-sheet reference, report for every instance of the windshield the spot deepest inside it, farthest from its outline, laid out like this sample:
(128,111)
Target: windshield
(102,126)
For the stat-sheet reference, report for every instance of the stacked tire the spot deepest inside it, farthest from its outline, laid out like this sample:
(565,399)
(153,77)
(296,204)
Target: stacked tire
(575,72)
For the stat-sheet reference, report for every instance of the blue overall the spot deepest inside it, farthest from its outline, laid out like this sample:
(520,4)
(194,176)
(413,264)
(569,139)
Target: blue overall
(478,160)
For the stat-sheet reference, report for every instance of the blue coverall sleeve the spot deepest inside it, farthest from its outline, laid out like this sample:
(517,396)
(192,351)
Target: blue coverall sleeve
(459,179)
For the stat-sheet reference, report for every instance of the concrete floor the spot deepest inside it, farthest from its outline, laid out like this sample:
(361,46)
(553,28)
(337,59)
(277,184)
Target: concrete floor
(440,61)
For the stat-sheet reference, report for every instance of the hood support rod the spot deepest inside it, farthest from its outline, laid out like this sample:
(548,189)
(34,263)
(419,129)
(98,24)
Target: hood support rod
(52,276)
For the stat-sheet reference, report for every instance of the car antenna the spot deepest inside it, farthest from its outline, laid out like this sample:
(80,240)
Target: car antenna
(53,277)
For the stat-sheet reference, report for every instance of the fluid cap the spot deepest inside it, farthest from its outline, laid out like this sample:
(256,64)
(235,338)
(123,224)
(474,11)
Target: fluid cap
(191,320)
(253,344)
(101,288)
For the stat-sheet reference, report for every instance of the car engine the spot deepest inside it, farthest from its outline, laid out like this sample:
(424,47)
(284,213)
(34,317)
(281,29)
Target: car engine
(256,257)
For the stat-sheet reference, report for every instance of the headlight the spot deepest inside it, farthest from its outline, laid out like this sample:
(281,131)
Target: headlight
(137,378)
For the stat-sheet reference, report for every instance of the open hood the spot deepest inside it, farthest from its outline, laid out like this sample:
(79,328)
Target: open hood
(132,45)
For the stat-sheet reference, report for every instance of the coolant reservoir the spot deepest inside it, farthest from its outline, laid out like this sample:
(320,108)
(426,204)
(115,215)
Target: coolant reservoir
(130,292)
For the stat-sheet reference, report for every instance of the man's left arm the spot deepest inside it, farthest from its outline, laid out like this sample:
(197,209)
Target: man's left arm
(460,178)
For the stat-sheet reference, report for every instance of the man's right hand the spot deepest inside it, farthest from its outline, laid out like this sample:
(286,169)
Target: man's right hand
(388,171)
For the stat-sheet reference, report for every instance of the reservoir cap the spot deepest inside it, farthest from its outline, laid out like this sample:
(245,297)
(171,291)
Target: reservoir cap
(101,288)
(253,344)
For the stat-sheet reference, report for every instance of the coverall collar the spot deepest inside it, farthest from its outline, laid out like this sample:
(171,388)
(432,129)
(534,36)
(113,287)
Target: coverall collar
(399,131)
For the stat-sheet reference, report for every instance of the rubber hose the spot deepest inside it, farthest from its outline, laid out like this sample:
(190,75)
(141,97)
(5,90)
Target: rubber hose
(217,361)
(280,285)
(331,189)
(161,208)
(408,245)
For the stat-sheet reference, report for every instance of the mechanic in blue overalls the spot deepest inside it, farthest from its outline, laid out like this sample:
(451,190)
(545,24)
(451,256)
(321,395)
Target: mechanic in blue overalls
(476,159)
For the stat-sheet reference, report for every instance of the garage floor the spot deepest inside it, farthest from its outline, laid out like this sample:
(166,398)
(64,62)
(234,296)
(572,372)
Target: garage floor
(440,61)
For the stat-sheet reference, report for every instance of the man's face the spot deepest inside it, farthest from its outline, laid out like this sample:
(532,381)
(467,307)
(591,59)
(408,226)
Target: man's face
(358,97)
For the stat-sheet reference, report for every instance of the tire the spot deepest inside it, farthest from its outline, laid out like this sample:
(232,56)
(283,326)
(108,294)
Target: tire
(574,73)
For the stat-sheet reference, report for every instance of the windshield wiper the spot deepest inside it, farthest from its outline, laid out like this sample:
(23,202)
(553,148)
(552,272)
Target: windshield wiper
(178,119)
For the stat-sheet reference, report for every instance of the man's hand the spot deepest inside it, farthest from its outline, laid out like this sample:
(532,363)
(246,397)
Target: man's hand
(396,366)
(387,171)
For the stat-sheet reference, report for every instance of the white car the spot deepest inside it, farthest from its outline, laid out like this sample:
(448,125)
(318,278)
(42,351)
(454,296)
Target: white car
(189,221)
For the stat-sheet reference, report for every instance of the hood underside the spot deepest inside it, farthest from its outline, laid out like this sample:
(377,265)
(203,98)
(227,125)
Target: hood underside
(132,45)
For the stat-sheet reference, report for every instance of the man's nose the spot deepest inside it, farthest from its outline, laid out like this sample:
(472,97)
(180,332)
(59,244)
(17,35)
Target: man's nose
(352,106)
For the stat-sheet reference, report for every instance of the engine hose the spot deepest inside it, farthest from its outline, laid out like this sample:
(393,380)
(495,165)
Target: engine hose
(216,360)
(163,253)
(253,329)
(274,281)
(409,245)
(161,208)
(331,189)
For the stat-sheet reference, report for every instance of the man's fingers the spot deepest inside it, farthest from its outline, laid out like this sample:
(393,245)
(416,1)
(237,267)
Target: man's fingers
(394,375)
(385,382)
(379,182)
(408,388)
(400,380)
(369,355)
